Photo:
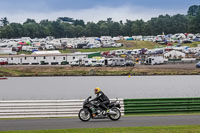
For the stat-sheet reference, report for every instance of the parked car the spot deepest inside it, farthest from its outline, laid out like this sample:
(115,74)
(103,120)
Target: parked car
(3,61)
(187,41)
(197,39)
(197,54)
(130,63)
(198,65)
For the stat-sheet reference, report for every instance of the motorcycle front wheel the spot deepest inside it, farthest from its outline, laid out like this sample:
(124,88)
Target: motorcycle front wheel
(84,115)
(116,116)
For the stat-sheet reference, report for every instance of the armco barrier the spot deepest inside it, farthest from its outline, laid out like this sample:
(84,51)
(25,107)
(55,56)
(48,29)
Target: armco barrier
(42,108)
(70,108)
(163,105)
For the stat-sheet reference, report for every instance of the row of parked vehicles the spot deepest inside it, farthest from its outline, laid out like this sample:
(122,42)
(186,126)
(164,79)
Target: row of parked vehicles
(103,62)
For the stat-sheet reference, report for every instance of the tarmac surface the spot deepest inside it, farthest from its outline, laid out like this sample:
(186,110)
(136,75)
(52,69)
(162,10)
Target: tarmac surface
(69,123)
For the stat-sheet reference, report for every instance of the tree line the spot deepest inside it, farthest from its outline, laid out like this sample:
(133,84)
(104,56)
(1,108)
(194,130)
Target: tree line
(69,27)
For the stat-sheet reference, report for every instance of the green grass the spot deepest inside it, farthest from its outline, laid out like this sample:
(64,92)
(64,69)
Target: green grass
(81,71)
(89,50)
(135,115)
(23,52)
(66,51)
(98,49)
(140,44)
(127,45)
(162,129)
(194,44)
(162,114)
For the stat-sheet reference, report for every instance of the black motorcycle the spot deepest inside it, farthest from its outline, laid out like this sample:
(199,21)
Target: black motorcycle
(92,110)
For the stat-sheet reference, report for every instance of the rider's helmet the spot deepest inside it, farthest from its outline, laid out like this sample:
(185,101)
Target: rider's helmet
(97,90)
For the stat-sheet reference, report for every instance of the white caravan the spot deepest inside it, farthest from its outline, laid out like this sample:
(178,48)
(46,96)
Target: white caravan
(154,60)
(94,62)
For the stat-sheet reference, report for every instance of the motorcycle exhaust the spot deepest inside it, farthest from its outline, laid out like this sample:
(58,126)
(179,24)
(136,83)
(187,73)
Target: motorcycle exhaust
(112,113)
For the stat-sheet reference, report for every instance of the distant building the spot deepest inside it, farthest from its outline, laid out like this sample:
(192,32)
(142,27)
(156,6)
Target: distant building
(47,59)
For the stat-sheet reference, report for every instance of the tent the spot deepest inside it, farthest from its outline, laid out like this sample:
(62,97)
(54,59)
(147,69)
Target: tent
(22,43)
(174,54)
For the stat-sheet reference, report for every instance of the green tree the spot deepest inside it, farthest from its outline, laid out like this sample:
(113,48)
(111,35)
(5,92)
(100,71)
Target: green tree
(92,30)
(17,30)
(127,28)
(115,29)
(79,22)
(31,30)
(7,32)
(180,24)
(79,31)
(4,21)
(138,27)
(69,30)
(29,21)
(193,10)
(104,31)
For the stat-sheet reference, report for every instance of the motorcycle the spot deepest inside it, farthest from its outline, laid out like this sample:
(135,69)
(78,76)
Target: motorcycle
(92,110)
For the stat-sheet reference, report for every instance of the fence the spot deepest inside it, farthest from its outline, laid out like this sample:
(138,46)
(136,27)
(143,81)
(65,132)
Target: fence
(164,105)
(70,108)
(42,108)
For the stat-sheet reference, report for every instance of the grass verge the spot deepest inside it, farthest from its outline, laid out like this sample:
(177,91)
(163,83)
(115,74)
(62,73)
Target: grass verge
(21,71)
(162,129)
(136,115)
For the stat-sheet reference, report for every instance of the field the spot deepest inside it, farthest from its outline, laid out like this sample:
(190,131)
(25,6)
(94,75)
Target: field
(128,45)
(166,129)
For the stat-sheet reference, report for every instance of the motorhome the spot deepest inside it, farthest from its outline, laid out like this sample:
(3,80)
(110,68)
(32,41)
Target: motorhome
(159,38)
(154,60)
(29,48)
(135,52)
(116,62)
(118,52)
(49,47)
(94,62)
(154,51)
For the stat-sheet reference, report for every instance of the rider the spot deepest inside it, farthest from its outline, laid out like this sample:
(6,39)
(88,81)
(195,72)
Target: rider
(102,98)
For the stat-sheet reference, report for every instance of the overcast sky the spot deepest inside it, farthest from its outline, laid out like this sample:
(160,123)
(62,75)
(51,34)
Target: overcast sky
(91,10)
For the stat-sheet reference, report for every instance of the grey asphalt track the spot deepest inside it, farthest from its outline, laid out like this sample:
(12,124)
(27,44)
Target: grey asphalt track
(68,123)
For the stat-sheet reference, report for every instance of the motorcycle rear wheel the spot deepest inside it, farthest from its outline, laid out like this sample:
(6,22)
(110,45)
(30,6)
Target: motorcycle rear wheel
(117,116)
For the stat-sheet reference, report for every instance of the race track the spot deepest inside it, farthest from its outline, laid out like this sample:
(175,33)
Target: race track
(68,123)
